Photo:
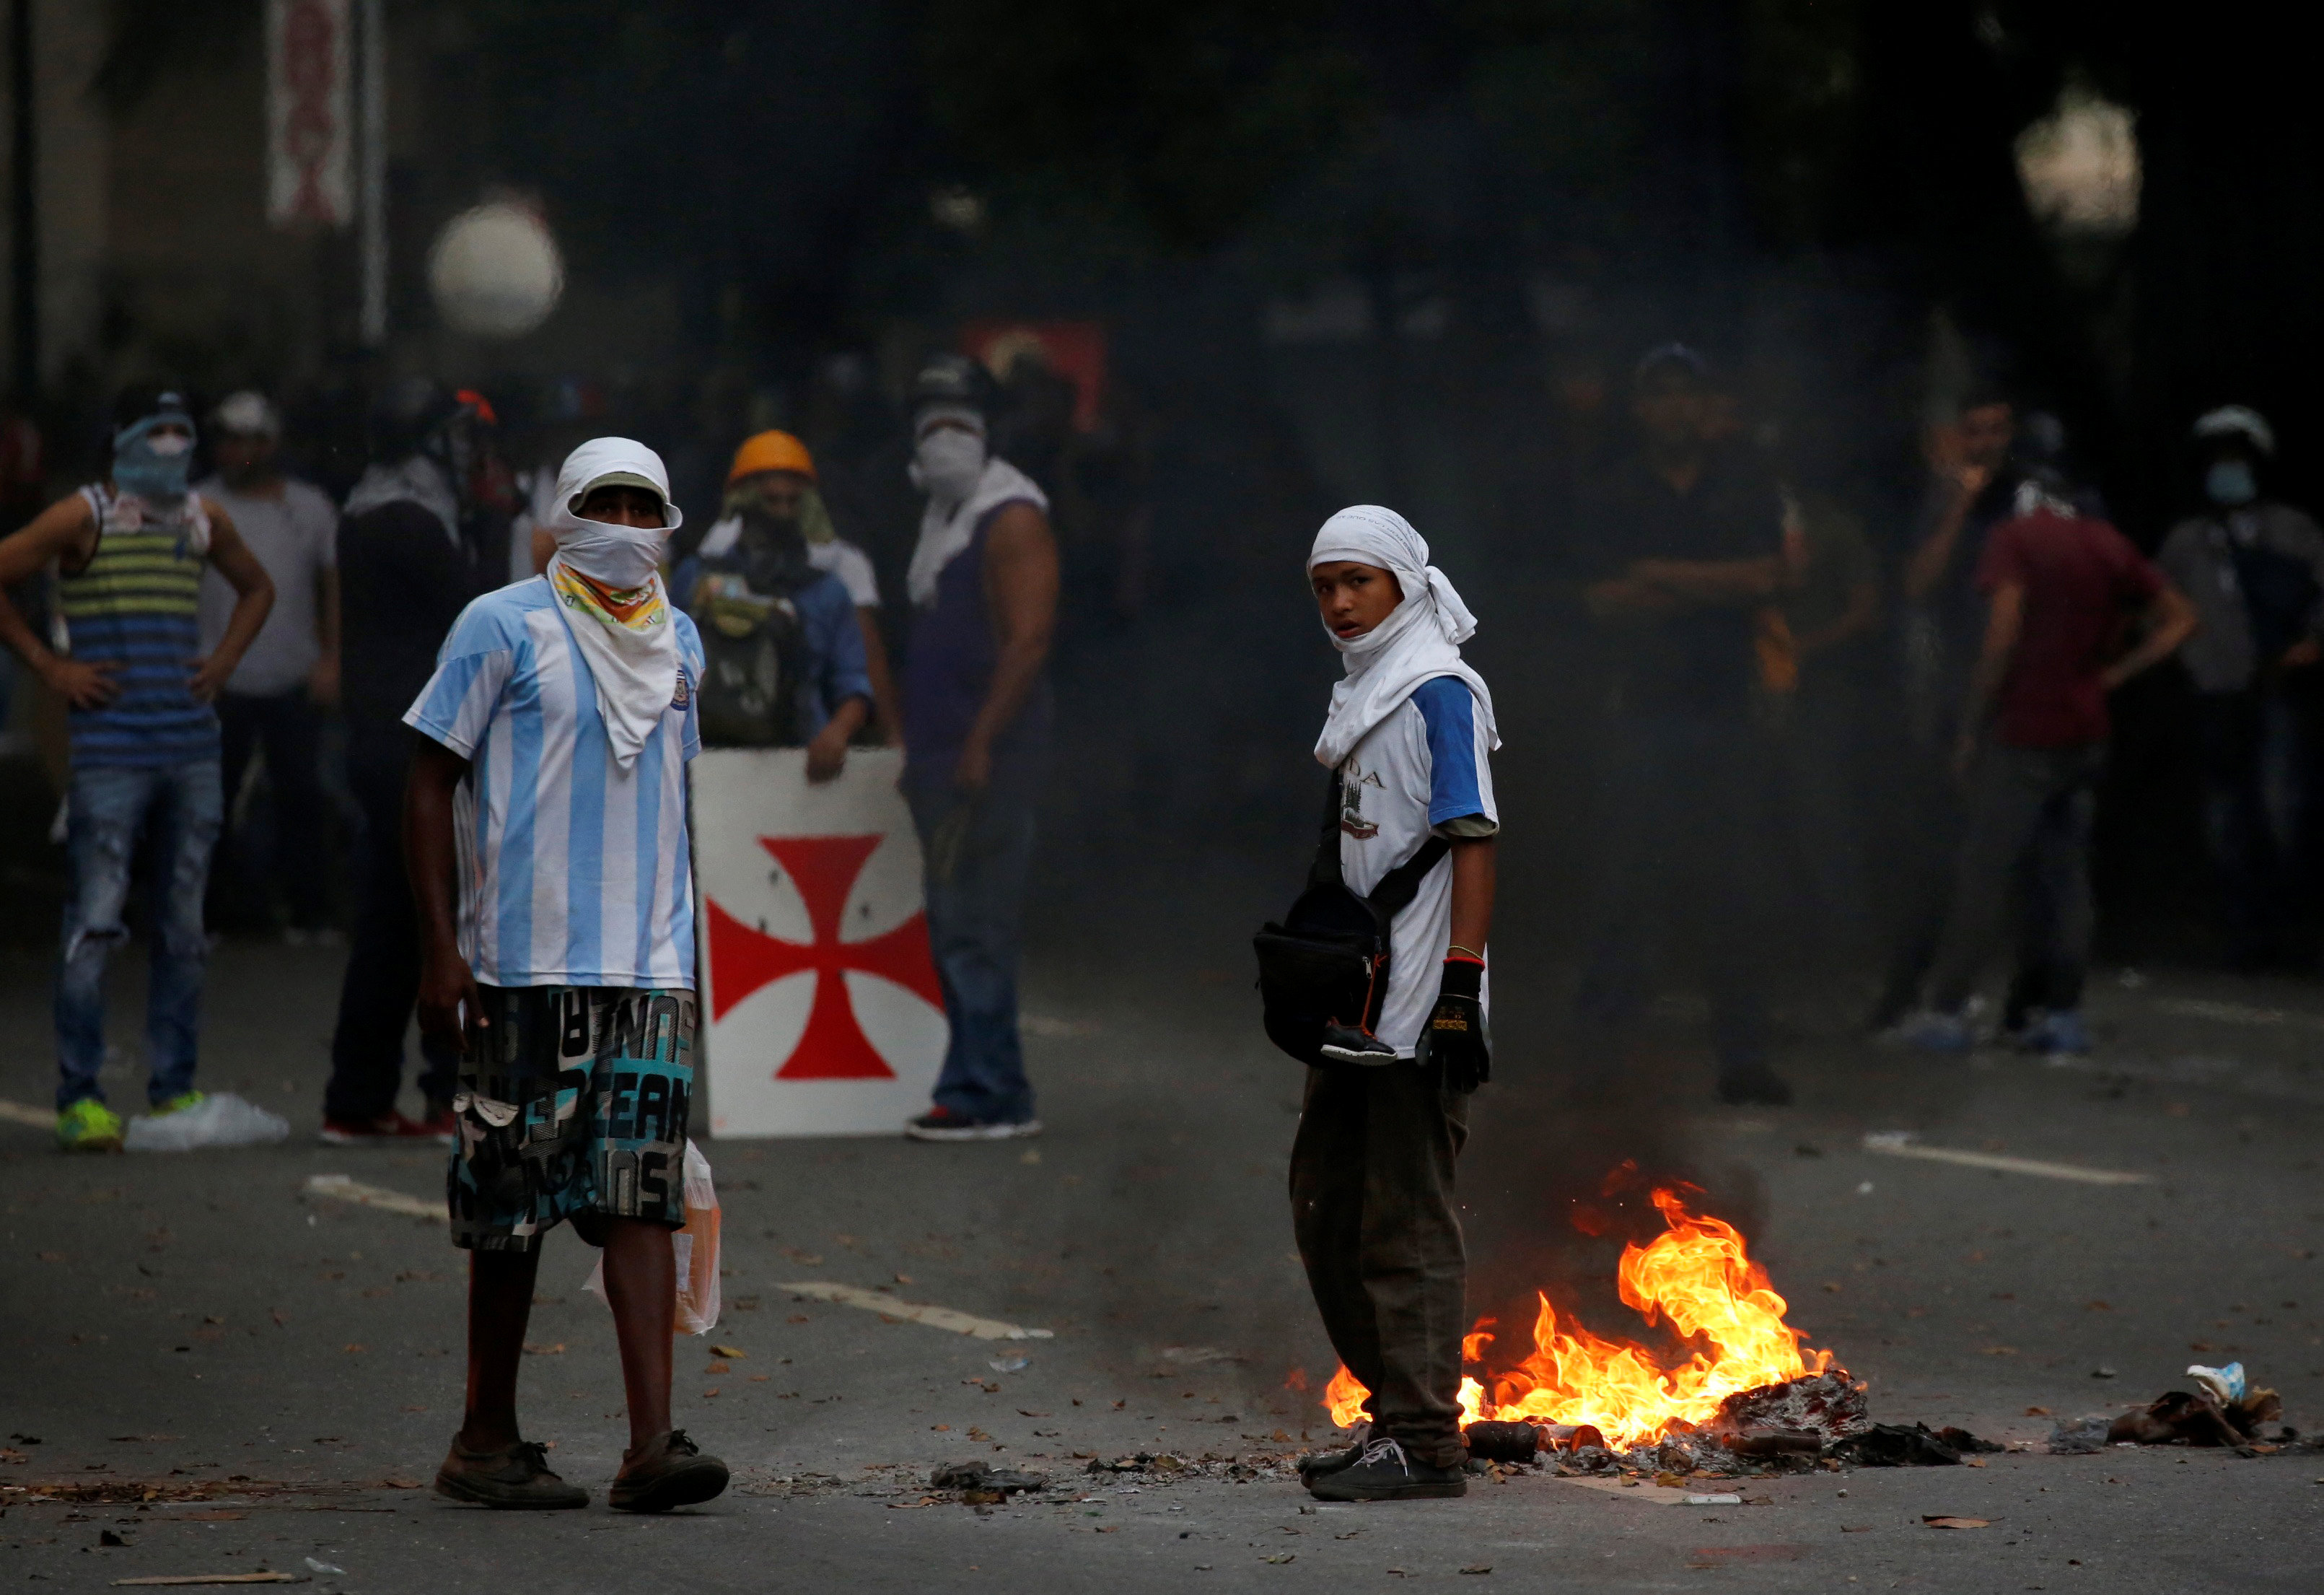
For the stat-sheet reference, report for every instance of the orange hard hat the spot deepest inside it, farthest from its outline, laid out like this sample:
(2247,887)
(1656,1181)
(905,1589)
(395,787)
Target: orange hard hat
(770,451)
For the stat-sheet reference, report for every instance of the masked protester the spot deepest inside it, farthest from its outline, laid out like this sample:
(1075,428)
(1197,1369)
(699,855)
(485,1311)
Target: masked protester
(983,585)
(409,563)
(769,589)
(1407,741)
(130,553)
(2254,567)
(557,916)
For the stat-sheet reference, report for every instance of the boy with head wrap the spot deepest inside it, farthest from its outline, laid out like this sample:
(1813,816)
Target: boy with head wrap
(1409,738)
(129,553)
(561,967)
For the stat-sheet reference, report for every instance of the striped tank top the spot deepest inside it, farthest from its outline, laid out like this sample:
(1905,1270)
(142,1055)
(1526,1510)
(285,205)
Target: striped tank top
(133,606)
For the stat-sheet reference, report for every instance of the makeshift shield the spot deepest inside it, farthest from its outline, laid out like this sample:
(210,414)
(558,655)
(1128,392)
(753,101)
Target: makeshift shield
(824,1013)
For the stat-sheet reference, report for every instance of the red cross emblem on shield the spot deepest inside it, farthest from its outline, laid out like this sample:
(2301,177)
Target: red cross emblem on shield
(742,959)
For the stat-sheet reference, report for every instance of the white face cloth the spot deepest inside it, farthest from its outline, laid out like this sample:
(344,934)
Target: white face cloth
(1419,641)
(632,661)
(949,456)
(948,523)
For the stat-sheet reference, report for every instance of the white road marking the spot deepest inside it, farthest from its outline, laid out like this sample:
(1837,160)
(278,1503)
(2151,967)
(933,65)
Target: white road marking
(942,1317)
(38,1118)
(1900,1143)
(2195,1007)
(340,1188)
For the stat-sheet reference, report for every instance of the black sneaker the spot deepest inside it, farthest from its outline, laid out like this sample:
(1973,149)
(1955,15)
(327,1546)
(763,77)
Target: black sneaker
(1347,1044)
(1316,1463)
(942,1124)
(1386,1473)
(1754,1085)
(669,1470)
(515,1477)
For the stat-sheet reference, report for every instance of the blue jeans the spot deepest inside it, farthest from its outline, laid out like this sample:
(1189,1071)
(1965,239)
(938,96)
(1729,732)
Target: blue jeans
(179,809)
(976,856)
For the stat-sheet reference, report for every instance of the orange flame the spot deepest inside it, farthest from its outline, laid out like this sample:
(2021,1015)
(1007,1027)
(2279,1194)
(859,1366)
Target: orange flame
(1346,1397)
(1696,1274)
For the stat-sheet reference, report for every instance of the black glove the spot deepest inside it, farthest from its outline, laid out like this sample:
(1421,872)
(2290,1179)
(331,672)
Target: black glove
(1456,1036)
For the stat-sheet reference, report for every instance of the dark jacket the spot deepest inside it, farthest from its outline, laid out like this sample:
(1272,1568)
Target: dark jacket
(402,582)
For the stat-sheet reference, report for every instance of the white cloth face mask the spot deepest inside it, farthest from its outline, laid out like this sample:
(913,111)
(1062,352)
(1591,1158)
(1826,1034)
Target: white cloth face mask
(948,462)
(618,558)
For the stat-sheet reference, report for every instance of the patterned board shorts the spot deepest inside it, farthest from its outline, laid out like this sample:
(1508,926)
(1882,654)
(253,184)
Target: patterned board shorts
(573,1106)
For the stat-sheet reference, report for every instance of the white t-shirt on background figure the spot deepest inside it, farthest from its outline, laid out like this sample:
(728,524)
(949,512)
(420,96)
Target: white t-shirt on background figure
(295,535)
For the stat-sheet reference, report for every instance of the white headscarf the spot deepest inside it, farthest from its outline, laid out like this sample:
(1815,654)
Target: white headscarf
(1419,641)
(633,662)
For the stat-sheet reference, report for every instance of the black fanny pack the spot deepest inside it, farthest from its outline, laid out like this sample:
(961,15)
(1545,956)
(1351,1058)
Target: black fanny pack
(1327,962)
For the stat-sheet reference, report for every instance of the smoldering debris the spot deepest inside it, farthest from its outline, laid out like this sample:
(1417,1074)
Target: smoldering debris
(1819,1420)
(980,1485)
(2222,1410)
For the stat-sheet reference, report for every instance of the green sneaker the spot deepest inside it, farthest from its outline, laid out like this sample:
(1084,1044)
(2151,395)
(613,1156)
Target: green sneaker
(177,1104)
(89,1125)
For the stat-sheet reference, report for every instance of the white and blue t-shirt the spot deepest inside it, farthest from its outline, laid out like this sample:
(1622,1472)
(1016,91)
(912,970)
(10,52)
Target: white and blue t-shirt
(1424,770)
(573,870)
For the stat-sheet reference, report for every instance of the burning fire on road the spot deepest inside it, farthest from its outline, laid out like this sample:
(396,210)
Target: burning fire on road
(1697,1276)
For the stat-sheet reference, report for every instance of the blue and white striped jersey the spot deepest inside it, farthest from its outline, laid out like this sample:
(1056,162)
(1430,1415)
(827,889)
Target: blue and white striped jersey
(1425,769)
(573,871)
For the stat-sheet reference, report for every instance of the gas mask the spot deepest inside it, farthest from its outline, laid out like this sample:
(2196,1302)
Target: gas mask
(774,553)
(2230,484)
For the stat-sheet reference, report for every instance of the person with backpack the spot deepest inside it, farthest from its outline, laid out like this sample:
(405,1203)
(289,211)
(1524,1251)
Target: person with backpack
(773,592)
(2254,567)
(1387,1103)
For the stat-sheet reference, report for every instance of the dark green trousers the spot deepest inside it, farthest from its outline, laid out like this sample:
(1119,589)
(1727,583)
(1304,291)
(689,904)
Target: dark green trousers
(1372,1207)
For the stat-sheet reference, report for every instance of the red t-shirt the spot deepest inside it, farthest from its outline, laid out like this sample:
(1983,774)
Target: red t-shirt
(2083,581)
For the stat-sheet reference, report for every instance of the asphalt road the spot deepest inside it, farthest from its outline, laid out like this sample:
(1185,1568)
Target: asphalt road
(281,1371)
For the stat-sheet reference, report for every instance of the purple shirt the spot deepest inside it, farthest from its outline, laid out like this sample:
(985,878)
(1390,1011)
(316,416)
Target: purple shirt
(948,670)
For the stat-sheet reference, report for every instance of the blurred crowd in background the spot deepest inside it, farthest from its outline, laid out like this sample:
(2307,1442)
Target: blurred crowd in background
(1840,695)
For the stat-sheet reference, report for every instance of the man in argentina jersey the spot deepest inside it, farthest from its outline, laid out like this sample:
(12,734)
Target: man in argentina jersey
(545,829)
(573,872)
(129,554)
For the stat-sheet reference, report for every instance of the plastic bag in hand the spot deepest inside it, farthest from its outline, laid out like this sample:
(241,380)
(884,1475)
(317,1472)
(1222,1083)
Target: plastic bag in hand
(696,1252)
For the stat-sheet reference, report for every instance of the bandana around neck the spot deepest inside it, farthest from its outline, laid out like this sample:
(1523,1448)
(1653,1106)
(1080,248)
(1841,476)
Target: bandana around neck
(628,644)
